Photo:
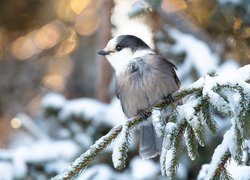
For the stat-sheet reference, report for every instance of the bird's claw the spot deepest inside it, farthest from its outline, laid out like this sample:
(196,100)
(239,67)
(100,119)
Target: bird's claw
(144,114)
(169,99)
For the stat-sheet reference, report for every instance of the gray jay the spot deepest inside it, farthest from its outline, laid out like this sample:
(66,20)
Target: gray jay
(143,78)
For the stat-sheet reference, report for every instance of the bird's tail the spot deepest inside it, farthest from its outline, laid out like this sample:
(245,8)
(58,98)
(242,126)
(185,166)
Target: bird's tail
(150,143)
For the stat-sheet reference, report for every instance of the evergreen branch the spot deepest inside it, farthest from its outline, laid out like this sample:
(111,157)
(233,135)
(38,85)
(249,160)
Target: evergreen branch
(173,117)
(221,156)
(191,143)
(158,122)
(170,155)
(163,157)
(221,166)
(86,158)
(206,113)
(185,92)
(199,133)
(176,149)
(238,119)
(121,148)
(242,113)
(239,146)
(168,140)
(219,103)
(225,174)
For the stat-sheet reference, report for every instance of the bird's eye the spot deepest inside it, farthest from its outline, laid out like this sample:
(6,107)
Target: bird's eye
(118,47)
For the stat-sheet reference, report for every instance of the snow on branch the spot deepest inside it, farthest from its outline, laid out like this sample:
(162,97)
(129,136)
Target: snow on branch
(221,156)
(142,7)
(228,93)
(121,148)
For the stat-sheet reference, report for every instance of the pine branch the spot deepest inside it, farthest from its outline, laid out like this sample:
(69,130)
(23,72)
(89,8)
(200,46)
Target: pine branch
(221,166)
(242,110)
(198,99)
(176,149)
(199,133)
(226,175)
(121,148)
(206,113)
(86,158)
(158,122)
(239,146)
(191,143)
(168,140)
(220,157)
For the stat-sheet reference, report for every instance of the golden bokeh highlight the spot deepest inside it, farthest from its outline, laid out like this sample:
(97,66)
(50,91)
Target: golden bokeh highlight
(38,40)
(88,21)
(54,82)
(48,36)
(15,123)
(24,48)
(64,10)
(69,44)
(78,5)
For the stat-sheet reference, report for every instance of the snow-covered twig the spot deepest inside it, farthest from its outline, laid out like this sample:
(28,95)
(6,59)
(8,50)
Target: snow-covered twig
(119,155)
(85,159)
(220,157)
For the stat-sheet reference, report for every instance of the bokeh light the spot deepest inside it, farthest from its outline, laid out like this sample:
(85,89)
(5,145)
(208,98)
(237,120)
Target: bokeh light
(15,123)
(24,48)
(48,36)
(34,42)
(54,82)
(64,10)
(69,44)
(171,6)
(78,5)
(88,21)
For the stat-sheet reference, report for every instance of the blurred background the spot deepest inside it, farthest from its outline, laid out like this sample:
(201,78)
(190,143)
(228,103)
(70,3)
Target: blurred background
(57,96)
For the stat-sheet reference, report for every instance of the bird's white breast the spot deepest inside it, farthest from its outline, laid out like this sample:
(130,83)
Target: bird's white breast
(120,60)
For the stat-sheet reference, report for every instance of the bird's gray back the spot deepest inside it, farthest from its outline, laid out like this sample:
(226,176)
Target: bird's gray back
(146,81)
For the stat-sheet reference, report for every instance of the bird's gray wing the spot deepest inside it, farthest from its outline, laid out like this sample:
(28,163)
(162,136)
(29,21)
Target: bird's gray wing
(162,65)
(169,63)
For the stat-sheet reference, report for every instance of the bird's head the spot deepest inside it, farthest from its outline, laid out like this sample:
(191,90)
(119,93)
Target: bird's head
(122,49)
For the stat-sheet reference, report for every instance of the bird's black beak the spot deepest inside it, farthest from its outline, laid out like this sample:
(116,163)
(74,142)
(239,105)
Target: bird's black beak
(102,52)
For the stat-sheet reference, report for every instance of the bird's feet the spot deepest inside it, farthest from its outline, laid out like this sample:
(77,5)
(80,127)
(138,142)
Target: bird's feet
(144,114)
(169,99)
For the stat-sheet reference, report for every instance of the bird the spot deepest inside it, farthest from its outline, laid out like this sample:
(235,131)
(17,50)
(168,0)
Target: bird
(143,78)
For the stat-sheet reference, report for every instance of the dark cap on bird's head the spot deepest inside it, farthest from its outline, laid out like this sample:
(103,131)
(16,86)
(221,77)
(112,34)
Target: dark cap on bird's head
(132,42)
(124,41)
